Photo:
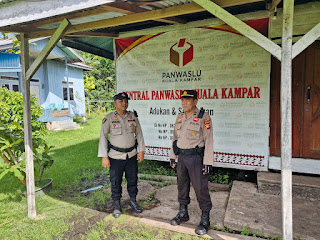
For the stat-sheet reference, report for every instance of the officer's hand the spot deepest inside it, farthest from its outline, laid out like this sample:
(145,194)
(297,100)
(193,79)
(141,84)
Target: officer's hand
(172,163)
(140,156)
(206,169)
(105,162)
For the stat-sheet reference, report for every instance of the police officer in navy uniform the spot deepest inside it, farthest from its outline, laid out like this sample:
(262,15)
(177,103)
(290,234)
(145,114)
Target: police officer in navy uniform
(192,153)
(120,154)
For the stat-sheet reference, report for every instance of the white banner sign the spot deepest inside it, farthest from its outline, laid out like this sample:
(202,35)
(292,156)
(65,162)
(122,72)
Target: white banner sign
(231,75)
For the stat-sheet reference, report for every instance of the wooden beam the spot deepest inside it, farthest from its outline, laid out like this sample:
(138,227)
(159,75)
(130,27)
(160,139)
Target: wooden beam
(193,24)
(306,40)
(286,119)
(129,8)
(273,5)
(31,202)
(92,34)
(140,17)
(18,29)
(240,26)
(47,49)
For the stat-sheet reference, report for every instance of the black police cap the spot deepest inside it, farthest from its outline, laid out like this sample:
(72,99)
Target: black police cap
(189,94)
(120,96)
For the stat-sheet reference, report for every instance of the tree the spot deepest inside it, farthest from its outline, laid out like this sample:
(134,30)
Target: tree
(100,83)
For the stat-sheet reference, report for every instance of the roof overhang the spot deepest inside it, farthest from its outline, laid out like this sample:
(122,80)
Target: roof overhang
(96,23)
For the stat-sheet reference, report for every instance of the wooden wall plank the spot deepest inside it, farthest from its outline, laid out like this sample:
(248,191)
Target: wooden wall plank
(305,18)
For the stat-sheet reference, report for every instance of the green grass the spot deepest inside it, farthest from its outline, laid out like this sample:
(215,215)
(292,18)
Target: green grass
(76,167)
(129,228)
(52,218)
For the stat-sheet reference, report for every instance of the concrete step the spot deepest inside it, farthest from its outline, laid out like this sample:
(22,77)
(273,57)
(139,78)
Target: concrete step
(63,125)
(260,213)
(303,186)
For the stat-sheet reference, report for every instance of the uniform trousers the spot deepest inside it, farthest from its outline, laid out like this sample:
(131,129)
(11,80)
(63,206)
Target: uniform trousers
(189,168)
(117,167)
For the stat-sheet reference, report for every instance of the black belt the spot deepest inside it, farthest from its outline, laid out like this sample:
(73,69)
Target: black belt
(124,150)
(192,151)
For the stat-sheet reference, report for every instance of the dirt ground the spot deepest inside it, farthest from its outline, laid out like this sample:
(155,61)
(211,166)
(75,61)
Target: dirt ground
(158,200)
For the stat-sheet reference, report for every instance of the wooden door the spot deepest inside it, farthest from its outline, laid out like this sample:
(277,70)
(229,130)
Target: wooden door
(311,128)
(305,113)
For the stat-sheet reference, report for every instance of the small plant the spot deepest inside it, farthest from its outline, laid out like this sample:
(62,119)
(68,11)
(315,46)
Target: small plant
(225,229)
(245,230)
(12,157)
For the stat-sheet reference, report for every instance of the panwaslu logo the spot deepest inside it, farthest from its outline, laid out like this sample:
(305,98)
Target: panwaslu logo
(181,53)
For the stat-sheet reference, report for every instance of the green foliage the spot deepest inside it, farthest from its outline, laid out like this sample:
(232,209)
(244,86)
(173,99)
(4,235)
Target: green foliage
(245,230)
(16,48)
(100,83)
(220,176)
(12,135)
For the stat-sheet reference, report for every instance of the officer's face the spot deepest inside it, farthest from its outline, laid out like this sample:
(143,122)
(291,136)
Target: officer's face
(121,104)
(188,104)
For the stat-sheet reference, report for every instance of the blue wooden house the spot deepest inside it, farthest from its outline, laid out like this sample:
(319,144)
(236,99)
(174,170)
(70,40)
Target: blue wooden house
(58,84)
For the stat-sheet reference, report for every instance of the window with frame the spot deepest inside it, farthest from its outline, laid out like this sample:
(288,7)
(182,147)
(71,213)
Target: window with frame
(65,93)
(5,85)
(15,87)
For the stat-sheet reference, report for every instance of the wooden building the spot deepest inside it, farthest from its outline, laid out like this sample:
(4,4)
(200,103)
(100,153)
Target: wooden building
(61,72)
(293,33)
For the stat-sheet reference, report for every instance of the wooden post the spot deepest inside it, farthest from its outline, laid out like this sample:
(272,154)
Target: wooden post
(27,127)
(89,107)
(286,120)
(68,89)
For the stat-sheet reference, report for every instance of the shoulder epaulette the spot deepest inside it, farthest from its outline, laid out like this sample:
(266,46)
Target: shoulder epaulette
(200,115)
(135,113)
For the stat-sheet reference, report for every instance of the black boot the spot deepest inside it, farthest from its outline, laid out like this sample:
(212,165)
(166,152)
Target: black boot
(116,208)
(204,223)
(182,215)
(135,206)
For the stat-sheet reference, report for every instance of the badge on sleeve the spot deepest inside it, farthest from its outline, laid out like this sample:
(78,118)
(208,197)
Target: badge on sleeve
(207,123)
(104,120)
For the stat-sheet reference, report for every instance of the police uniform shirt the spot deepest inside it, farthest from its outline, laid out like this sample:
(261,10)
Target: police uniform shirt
(192,132)
(123,132)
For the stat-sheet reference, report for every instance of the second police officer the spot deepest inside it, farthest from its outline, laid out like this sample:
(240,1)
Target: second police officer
(193,148)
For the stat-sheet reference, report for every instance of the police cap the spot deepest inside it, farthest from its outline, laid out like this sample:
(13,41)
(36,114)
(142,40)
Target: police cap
(189,94)
(120,96)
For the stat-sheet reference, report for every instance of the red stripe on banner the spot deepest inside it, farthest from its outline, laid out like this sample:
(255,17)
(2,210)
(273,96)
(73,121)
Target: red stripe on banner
(261,25)
(123,43)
